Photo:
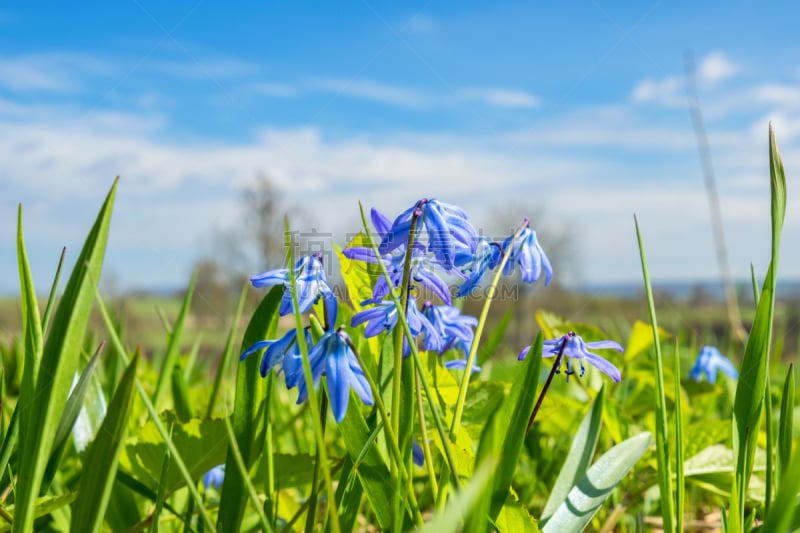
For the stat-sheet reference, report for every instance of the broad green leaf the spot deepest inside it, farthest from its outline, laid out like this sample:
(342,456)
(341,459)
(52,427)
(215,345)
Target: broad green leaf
(202,444)
(585,499)
(102,458)
(60,359)
(580,454)
(701,435)
(641,338)
(227,352)
(514,518)
(248,418)
(45,505)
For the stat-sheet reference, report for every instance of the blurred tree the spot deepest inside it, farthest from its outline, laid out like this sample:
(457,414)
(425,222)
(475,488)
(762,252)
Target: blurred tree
(212,293)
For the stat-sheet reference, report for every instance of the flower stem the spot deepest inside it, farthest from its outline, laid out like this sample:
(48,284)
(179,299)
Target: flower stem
(312,393)
(546,386)
(426,448)
(312,498)
(473,351)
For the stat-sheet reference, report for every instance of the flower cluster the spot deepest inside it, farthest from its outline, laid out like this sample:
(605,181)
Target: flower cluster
(332,355)
(435,241)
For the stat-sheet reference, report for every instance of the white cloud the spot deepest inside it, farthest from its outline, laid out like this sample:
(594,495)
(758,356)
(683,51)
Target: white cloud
(716,67)
(776,94)
(500,97)
(204,68)
(666,91)
(50,72)
(370,90)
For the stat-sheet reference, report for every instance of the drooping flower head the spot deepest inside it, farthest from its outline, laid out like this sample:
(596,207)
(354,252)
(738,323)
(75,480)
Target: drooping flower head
(708,362)
(277,351)
(528,255)
(311,285)
(214,477)
(333,357)
(572,346)
(446,226)
(474,264)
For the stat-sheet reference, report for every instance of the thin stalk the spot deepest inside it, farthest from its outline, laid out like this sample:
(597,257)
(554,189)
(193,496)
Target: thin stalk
(269,452)
(391,438)
(312,498)
(473,351)
(426,448)
(312,393)
(553,372)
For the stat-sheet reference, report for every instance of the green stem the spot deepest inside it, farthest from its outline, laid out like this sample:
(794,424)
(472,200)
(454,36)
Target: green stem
(473,351)
(312,393)
(553,372)
(312,498)
(426,448)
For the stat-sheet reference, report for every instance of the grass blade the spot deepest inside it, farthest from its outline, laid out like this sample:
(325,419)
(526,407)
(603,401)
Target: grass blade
(786,427)
(750,389)
(227,353)
(102,458)
(680,483)
(662,441)
(60,359)
(173,348)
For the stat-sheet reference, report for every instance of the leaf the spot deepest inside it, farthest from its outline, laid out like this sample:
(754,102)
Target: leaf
(173,347)
(60,359)
(202,444)
(784,507)
(580,454)
(641,338)
(102,458)
(750,389)
(585,499)
(785,430)
(451,517)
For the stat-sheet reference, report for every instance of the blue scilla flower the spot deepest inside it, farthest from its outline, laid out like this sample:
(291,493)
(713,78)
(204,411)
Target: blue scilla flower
(574,347)
(214,477)
(333,357)
(446,225)
(528,255)
(277,350)
(383,317)
(708,361)
(311,285)
(455,330)
(474,264)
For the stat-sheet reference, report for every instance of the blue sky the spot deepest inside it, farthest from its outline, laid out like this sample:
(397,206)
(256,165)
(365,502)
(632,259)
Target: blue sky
(572,112)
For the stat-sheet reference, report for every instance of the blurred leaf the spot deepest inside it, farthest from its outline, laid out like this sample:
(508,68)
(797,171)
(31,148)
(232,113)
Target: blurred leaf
(641,338)
(701,435)
(585,499)
(515,518)
(786,427)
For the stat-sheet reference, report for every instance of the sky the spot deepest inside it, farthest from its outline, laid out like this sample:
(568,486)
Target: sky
(574,113)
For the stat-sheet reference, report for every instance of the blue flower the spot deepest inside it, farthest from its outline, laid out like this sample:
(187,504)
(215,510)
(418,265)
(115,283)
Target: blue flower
(383,317)
(333,357)
(576,348)
(528,254)
(311,285)
(277,350)
(214,477)
(446,225)
(708,361)
(454,329)
(474,265)
(417,453)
